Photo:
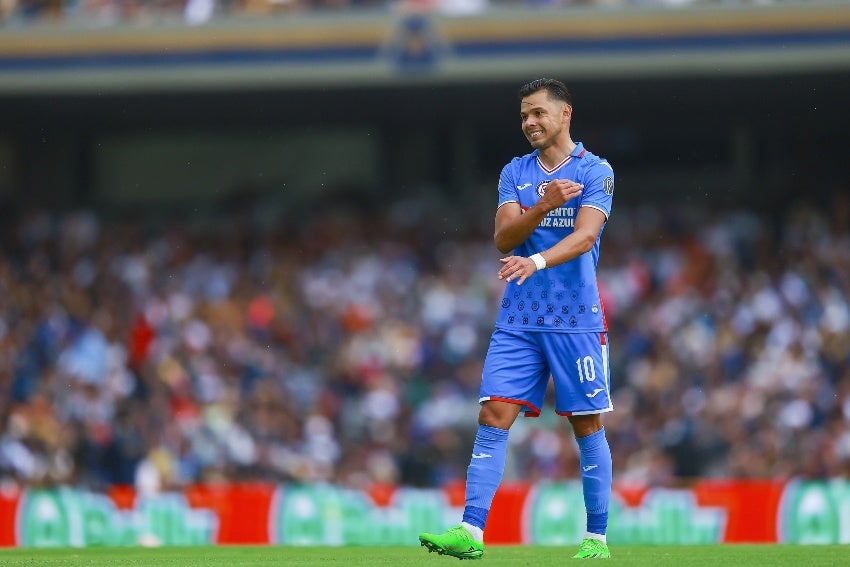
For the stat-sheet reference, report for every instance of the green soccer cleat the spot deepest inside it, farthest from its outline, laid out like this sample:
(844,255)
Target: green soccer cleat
(592,549)
(455,542)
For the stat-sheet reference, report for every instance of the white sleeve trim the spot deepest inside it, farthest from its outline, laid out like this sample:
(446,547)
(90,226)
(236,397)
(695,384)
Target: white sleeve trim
(604,212)
(506,202)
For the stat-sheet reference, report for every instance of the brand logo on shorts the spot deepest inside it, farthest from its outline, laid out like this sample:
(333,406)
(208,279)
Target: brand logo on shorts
(595,392)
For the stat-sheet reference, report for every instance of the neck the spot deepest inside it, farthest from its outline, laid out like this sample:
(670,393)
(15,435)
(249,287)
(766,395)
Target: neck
(555,154)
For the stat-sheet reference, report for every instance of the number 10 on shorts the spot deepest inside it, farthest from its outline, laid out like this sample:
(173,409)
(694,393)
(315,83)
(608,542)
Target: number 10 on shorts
(586,369)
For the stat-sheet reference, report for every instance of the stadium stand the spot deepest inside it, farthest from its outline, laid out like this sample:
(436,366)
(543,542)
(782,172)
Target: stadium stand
(351,352)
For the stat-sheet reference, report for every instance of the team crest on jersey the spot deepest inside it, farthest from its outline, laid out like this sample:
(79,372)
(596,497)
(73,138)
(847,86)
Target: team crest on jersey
(541,187)
(608,185)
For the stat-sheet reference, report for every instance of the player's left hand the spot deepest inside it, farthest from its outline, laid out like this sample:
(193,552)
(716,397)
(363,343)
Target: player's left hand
(516,267)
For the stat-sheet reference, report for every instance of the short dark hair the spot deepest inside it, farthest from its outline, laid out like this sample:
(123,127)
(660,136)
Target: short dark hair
(556,89)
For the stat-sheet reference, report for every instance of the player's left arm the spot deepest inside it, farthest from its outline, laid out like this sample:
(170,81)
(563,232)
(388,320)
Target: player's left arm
(589,221)
(594,209)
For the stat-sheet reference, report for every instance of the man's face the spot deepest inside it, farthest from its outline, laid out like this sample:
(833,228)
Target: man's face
(543,119)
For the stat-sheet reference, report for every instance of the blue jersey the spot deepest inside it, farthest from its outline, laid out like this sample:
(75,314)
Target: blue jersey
(564,298)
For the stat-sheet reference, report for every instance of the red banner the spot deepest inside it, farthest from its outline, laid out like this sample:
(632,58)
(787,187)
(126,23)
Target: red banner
(709,511)
(8,509)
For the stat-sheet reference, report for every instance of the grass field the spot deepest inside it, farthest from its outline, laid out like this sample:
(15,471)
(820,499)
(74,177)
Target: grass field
(495,556)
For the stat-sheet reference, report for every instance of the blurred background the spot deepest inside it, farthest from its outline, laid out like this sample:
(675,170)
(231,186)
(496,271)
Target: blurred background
(251,240)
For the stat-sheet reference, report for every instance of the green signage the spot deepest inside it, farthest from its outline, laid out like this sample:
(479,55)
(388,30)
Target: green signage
(557,517)
(329,515)
(67,517)
(815,512)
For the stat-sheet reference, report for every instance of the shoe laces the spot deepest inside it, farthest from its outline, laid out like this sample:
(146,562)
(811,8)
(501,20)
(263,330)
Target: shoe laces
(461,532)
(591,543)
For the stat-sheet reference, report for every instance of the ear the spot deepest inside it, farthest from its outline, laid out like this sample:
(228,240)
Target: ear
(567,112)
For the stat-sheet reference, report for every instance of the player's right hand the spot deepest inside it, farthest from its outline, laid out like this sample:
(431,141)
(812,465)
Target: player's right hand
(558,192)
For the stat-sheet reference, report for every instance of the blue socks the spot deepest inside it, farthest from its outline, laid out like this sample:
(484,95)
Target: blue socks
(488,465)
(596,478)
(485,473)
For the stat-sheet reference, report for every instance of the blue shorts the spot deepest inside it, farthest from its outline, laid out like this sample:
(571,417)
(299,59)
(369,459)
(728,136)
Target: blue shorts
(519,364)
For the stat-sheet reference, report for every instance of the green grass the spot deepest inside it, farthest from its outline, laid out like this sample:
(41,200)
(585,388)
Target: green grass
(495,556)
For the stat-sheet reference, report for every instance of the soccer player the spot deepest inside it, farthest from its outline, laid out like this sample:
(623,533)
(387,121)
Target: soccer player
(553,205)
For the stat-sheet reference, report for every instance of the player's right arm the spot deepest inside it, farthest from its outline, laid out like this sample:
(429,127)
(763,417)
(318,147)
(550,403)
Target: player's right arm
(513,226)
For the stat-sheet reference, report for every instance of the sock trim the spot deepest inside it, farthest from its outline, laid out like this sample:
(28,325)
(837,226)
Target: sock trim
(474,531)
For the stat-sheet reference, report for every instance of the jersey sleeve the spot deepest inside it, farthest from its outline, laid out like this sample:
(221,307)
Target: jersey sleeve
(507,188)
(598,187)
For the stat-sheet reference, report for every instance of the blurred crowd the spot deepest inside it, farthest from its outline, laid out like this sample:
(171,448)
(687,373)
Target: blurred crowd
(196,12)
(348,348)
(146,12)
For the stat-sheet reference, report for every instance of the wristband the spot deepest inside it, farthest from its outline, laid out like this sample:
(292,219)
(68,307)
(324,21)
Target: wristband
(539,261)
